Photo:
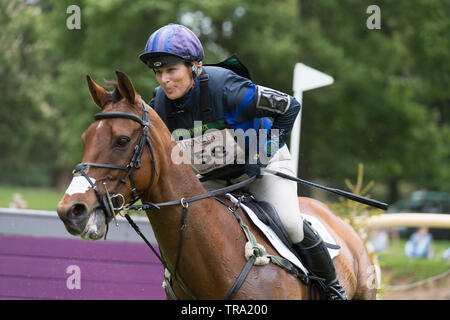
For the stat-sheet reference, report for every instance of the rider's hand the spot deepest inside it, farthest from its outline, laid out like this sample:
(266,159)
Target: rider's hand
(253,169)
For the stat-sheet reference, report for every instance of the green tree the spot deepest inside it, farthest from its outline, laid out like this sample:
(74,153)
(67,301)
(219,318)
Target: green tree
(388,107)
(26,130)
(377,112)
(103,44)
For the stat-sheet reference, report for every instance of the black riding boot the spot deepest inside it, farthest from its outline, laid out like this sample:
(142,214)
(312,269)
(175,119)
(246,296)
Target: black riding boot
(314,254)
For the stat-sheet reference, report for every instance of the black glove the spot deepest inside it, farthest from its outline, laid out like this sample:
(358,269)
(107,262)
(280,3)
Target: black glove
(253,169)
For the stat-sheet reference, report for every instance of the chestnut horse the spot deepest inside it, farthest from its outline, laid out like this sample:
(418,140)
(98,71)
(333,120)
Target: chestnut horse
(213,243)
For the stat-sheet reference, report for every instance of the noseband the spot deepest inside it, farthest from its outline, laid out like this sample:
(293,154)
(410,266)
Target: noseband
(109,203)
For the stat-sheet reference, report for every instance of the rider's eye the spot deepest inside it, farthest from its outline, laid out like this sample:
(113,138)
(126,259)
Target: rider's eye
(121,141)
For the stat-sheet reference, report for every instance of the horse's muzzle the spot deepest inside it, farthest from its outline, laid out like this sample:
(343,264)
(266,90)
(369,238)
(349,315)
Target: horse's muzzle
(80,221)
(96,226)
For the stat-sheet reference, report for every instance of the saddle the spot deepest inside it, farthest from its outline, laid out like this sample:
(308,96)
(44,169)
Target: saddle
(268,215)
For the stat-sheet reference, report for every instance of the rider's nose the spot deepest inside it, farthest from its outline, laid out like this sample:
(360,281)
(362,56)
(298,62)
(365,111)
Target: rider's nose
(165,78)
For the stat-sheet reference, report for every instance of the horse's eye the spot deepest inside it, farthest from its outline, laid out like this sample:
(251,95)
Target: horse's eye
(121,141)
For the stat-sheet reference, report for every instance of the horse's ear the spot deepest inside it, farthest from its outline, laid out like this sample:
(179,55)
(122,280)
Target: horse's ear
(125,87)
(98,94)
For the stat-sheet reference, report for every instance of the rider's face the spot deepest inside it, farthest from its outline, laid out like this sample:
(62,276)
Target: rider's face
(176,80)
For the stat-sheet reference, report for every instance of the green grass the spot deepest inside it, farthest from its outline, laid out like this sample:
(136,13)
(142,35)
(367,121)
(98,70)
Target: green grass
(39,198)
(35,198)
(400,268)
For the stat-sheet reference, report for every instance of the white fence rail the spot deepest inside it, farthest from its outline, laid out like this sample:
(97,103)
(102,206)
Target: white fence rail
(431,220)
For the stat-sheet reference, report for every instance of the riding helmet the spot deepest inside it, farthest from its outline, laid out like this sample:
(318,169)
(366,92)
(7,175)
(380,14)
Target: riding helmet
(171,44)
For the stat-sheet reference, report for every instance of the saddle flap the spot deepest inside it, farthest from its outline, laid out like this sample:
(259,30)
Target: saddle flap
(269,216)
(284,250)
(265,217)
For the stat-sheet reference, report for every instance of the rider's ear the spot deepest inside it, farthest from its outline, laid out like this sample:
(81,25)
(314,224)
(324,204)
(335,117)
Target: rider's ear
(99,95)
(125,87)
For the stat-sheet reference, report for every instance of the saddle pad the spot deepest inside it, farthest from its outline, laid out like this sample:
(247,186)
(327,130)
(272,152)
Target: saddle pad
(279,246)
(323,233)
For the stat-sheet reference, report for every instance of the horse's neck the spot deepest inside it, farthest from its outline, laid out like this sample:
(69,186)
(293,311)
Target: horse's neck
(174,183)
(207,231)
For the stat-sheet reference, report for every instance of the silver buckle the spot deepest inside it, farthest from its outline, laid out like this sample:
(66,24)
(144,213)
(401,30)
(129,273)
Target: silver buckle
(184,203)
(111,206)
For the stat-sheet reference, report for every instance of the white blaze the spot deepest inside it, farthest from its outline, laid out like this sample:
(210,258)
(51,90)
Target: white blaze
(79,184)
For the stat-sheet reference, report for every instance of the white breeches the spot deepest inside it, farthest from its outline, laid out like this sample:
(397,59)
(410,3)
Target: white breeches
(279,192)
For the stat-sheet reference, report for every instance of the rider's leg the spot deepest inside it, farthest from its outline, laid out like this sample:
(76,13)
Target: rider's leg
(282,194)
(315,255)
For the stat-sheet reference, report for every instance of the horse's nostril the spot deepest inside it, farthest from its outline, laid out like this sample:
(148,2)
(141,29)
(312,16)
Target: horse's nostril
(78,210)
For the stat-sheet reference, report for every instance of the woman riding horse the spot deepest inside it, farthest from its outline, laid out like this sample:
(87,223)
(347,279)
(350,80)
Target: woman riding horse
(128,155)
(218,98)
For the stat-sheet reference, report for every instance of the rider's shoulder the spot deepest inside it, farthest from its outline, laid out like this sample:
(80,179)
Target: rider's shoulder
(158,98)
(222,76)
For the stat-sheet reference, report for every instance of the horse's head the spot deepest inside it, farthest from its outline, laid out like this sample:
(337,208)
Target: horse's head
(118,165)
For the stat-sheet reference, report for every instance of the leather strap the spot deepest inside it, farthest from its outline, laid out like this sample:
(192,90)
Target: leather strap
(150,205)
(205,101)
(240,280)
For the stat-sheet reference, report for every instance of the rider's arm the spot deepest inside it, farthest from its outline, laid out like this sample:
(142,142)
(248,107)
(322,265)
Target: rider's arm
(249,101)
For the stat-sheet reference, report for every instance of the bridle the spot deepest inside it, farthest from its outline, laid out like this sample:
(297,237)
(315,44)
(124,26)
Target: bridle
(109,202)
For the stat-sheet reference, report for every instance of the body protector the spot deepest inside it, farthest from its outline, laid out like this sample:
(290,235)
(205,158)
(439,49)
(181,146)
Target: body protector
(225,123)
